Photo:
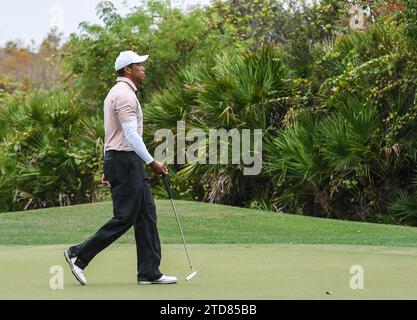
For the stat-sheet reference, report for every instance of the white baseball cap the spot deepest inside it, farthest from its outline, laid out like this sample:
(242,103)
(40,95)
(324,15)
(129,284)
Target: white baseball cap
(126,58)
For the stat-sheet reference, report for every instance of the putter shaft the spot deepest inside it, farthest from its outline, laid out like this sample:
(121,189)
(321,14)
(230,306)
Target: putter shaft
(182,234)
(194,273)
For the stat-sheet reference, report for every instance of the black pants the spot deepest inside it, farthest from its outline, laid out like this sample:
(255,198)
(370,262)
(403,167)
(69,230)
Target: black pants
(133,205)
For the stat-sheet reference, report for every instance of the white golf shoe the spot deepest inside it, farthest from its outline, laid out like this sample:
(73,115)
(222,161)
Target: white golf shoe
(162,280)
(76,271)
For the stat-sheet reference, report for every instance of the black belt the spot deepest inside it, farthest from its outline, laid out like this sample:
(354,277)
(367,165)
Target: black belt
(119,152)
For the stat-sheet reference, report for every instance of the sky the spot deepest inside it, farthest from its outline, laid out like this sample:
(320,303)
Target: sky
(31,20)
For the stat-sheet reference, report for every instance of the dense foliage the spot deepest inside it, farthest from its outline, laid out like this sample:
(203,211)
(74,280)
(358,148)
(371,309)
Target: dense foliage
(44,160)
(333,90)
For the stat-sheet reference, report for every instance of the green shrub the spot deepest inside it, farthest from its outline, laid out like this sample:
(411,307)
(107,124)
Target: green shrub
(51,153)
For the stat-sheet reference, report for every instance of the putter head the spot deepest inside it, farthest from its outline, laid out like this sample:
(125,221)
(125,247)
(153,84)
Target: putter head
(191,276)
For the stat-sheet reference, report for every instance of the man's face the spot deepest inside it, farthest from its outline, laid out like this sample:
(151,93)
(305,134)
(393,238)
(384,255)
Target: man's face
(137,73)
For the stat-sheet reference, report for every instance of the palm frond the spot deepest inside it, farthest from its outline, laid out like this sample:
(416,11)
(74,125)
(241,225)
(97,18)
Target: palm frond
(404,207)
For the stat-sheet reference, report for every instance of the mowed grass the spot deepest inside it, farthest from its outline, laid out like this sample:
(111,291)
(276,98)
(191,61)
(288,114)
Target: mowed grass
(226,272)
(203,224)
(239,253)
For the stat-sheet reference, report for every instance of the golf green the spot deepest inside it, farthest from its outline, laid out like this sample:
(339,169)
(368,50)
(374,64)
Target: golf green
(226,271)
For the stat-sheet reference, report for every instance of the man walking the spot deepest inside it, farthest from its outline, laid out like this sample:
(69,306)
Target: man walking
(133,204)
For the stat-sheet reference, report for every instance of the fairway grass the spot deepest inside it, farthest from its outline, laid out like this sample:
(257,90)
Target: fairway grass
(202,223)
(241,254)
(242,272)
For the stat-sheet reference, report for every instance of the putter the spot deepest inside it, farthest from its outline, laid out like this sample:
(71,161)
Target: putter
(193,272)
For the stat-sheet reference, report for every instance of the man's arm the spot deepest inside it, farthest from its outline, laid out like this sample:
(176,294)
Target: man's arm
(130,130)
(126,112)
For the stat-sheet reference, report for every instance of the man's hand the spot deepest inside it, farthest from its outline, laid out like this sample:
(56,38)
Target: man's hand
(105,182)
(159,168)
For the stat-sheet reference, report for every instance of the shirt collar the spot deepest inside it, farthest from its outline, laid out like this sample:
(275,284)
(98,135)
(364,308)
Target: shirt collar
(128,81)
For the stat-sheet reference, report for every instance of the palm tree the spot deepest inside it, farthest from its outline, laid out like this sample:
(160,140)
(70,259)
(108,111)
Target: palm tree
(238,92)
(52,165)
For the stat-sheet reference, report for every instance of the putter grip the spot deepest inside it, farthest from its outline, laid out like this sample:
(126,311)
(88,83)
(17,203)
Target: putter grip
(167,187)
